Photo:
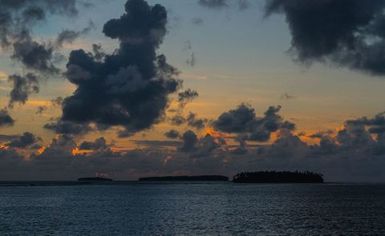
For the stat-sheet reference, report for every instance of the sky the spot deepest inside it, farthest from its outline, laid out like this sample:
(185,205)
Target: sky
(137,88)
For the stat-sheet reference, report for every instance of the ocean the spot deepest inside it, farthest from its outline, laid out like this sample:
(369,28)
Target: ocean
(204,208)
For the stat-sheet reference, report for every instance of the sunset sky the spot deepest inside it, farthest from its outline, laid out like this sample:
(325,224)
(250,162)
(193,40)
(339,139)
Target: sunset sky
(282,85)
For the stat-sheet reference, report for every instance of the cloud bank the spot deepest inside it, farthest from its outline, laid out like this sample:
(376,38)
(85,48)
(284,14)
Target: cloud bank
(356,152)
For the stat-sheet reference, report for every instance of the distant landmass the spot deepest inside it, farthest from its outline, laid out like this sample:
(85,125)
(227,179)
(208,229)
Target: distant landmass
(278,177)
(94,179)
(186,178)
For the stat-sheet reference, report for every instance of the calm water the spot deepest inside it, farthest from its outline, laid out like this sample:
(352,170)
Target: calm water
(193,209)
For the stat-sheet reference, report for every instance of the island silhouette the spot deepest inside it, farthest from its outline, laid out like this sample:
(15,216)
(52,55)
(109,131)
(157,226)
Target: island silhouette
(248,177)
(95,179)
(278,177)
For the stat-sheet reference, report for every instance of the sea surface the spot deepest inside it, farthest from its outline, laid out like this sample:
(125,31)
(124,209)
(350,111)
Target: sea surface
(204,208)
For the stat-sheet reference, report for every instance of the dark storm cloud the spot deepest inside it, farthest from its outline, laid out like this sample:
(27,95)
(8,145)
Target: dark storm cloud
(123,133)
(130,87)
(195,122)
(199,147)
(242,149)
(244,122)
(68,127)
(378,119)
(206,146)
(375,124)
(213,3)
(346,32)
(177,120)
(52,6)
(356,138)
(235,121)
(98,52)
(187,96)
(34,55)
(22,87)
(33,13)
(25,140)
(17,18)
(190,120)
(5,118)
(98,144)
(68,36)
(190,140)
(64,142)
(172,134)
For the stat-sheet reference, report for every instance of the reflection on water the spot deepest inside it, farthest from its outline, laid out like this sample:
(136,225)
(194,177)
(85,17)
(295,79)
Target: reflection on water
(204,208)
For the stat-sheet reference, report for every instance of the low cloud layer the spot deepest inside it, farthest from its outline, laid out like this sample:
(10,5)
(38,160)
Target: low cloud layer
(25,140)
(5,118)
(354,153)
(172,134)
(98,144)
(244,122)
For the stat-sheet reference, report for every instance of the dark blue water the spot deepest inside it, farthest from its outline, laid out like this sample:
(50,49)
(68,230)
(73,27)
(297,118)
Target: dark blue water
(193,209)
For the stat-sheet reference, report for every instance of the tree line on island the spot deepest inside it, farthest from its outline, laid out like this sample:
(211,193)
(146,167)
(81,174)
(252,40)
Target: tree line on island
(242,177)
(250,177)
(278,177)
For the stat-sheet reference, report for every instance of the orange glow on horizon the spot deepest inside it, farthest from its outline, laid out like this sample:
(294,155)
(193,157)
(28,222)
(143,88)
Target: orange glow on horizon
(216,134)
(3,147)
(306,139)
(76,151)
(39,103)
(41,150)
